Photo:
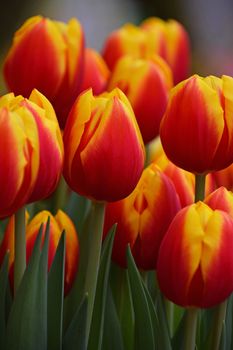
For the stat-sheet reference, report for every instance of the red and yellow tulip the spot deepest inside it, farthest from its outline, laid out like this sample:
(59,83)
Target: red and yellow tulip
(170,40)
(143,218)
(197,130)
(96,72)
(221,199)
(58,223)
(146,83)
(224,177)
(47,55)
(104,151)
(195,262)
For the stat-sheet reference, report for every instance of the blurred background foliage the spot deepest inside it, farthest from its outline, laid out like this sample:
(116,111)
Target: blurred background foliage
(209,24)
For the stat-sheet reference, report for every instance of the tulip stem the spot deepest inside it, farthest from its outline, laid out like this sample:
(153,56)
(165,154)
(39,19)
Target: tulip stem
(190,328)
(219,319)
(20,247)
(200,187)
(94,259)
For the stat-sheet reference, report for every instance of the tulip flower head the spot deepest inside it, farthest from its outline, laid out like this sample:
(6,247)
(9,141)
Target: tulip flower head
(170,40)
(196,130)
(221,199)
(58,223)
(104,151)
(146,83)
(195,262)
(96,72)
(47,55)
(143,218)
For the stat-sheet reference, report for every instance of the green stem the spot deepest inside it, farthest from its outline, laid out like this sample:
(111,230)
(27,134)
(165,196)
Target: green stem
(60,195)
(219,319)
(190,328)
(200,187)
(169,306)
(20,247)
(94,259)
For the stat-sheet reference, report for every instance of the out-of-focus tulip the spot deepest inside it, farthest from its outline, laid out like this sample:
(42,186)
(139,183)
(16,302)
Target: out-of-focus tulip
(183,181)
(146,83)
(127,40)
(169,40)
(47,55)
(221,199)
(104,151)
(30,140)
(58,223)
(96,72)
(143,218)
(195,262)
(19,152)
(197,130)
(224,177)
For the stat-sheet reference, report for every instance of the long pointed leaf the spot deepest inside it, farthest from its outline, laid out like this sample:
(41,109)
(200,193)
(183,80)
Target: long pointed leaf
(3,289)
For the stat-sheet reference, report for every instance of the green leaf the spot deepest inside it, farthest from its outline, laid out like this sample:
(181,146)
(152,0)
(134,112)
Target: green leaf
(75,336)
(124,304)
(56,296)
(144,334)
(27,323)
(161,333)
(97,324)
(112,330)
(3,290)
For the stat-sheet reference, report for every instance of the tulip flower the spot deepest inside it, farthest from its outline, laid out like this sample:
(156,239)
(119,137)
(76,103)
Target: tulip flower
(104,151)
(143,218)
(127,40)
(58,223)
(196,130)
(195,262)
(47,55)
(146,83)
(96,72)
(170,41)
(221,199)
(224,177)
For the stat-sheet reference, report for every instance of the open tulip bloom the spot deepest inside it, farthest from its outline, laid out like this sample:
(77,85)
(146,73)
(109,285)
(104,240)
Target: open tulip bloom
(105,243)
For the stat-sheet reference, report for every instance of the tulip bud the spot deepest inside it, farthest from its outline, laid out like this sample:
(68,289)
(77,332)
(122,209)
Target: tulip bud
(143,218)
(170,41)
(183,181)
(96,72)
(127,40)
(58,223)
(47,55)
(195,262)
(104,151)
(196,130)
(19,155)
(221,199)
(146,83)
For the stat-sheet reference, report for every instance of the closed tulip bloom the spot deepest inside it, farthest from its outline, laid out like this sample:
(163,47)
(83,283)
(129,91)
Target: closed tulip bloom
(58,223)
(96,72)
(127,40)
(104,151)
(146,83)
(224,177)
(143,218)
(195,262)
(196,130)
(19,152)
(50,145)
(47,55)
(170,40)
(221,199)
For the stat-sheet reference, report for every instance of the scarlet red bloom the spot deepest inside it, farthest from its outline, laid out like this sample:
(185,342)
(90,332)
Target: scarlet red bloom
(143,218)
(47,55)
(196,130)
(195,262)
(104,151)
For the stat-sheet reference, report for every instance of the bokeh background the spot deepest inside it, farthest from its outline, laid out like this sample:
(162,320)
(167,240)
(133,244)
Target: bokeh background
(208,22)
